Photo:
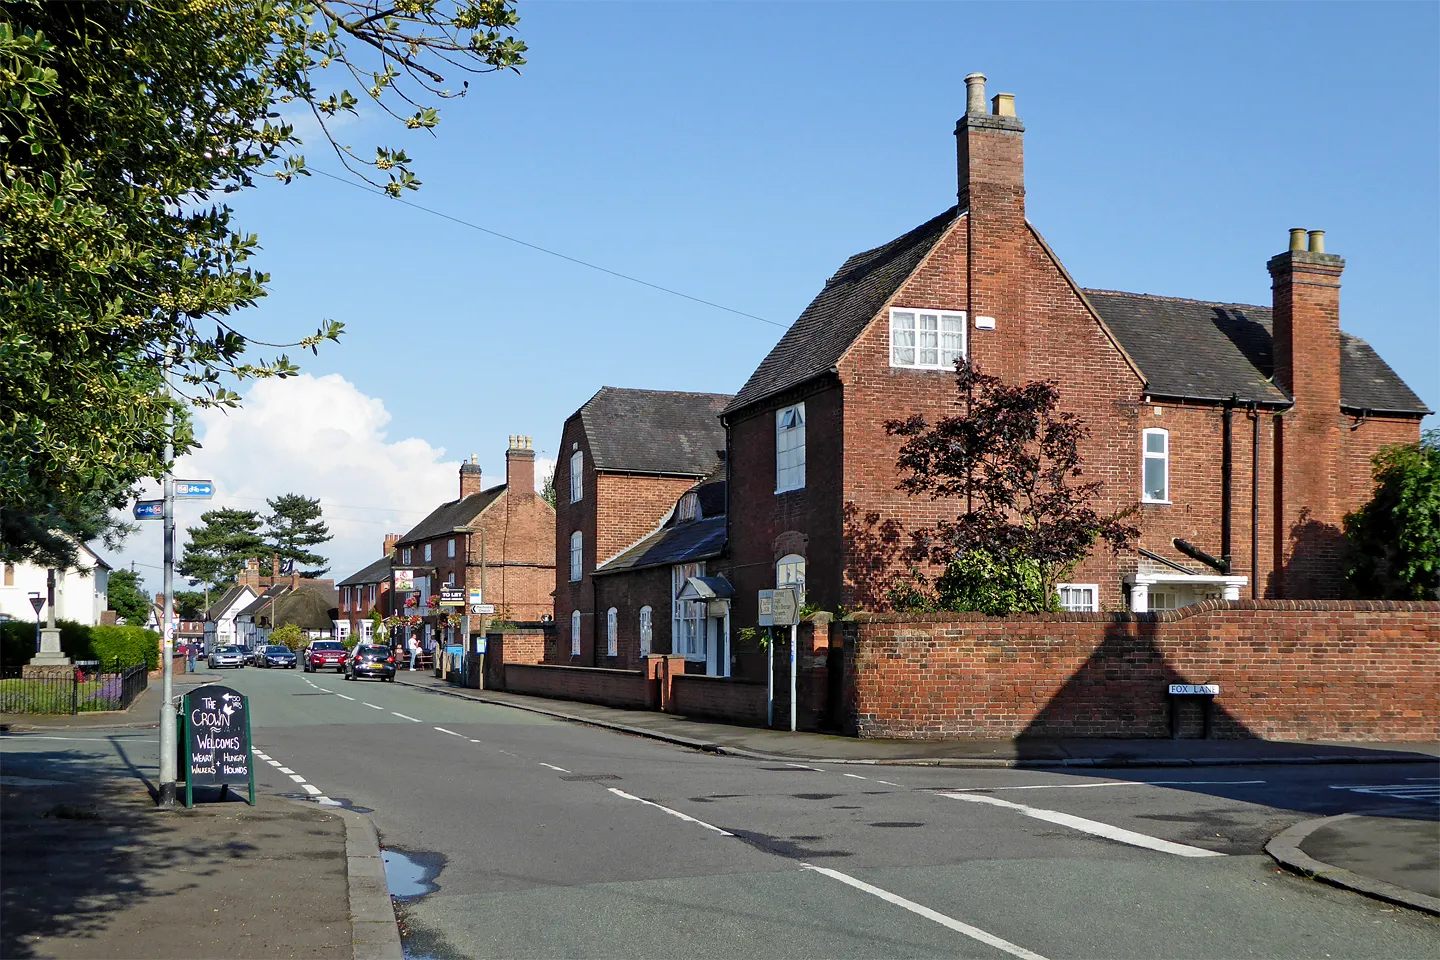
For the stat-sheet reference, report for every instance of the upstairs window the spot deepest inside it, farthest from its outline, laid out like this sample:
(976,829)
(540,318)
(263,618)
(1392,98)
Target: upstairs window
(372,594)
(577,476)
(790,448)
(646,621)
(575,633)
(612,629)
(576,555)
(1079,597)
(427,553)
(1156,472)
(405,559)
(689,507)
(450,547)
(926,339)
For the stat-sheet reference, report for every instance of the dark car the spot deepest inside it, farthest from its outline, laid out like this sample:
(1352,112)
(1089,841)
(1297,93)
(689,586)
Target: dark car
(277,655)
(325,654)
(369,660)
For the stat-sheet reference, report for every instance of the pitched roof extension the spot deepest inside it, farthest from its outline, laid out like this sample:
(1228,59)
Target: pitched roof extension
(1199,350)
(680,541)
(654,431)
(840,312)
(377,571)
(446,517)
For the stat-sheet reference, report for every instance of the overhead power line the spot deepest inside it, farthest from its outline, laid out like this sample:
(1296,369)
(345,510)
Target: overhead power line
(554,253)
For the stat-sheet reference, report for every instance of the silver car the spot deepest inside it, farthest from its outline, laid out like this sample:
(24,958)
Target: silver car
(227,657)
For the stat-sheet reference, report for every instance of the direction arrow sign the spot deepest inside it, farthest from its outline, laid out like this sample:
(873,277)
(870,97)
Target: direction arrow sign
(485,608)
(149,509)
(194,489)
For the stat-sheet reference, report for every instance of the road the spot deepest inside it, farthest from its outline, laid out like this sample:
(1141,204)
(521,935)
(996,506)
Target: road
(538,838)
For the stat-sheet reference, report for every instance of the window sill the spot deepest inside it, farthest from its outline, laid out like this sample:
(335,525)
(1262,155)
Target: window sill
(788,490)
(920,369)
(1156,503)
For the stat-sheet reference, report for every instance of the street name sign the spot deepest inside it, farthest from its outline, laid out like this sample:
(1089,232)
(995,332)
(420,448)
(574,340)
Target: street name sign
(215,738)
(194,489)
(1195,689)
(149,509)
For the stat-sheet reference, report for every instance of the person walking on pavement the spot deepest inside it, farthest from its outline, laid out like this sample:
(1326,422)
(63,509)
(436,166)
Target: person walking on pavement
(190,656)
(414,651)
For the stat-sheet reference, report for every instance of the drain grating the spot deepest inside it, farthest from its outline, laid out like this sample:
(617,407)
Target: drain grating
(591,776)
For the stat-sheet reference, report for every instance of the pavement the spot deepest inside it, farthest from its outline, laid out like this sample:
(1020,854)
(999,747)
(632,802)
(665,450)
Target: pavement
(1390,857)
(92,868)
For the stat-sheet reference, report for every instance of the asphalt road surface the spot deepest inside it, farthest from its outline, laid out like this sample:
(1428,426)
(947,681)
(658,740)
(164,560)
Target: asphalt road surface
(538,838)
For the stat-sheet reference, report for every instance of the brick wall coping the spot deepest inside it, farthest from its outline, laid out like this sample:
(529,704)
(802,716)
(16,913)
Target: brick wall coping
(519,629)
(594,671)
(1165,616)
(706,678)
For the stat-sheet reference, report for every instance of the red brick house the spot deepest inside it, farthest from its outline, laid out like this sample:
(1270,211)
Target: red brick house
(1245,431)
(499,540)
(627,457)
(366,590)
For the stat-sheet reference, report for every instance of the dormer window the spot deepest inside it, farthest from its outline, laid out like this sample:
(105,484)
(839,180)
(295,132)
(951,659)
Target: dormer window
(689,507)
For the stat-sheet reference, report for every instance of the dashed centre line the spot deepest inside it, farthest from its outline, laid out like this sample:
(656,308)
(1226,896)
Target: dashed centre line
(403,717)
(552,766)
(854,776)
(451,732)
(372,706)
(343,697)
(284,769)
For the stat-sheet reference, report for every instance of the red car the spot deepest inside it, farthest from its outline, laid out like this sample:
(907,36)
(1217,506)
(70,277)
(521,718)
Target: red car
(325,654)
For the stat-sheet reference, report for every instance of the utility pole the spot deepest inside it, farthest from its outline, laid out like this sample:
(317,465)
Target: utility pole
(167,648)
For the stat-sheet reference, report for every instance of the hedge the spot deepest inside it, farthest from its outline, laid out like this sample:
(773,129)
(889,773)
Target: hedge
(79,642)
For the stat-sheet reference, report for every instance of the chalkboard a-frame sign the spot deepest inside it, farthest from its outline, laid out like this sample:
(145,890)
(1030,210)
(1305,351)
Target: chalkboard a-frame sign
(215,741)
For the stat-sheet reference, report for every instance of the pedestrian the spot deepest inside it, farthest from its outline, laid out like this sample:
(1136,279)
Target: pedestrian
(190,656)
(414,652)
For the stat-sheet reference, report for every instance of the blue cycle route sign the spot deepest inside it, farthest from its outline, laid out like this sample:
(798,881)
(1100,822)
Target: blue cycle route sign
(194,489)
(149,509)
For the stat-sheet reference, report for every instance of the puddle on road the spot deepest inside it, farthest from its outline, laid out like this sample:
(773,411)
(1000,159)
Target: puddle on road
(411,875)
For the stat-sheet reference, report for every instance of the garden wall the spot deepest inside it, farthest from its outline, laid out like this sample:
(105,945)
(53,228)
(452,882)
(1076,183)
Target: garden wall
(1287,670)
(613,688)
(720,698)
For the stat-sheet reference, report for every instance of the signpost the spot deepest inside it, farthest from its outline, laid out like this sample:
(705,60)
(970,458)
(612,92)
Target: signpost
(194,489)
(215,725)
(779,608)
(149,509)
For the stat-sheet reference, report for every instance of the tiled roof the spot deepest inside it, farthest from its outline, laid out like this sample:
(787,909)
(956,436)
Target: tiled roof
(682,543)
(654,431)
(377,571)
(446,517)
(219,606)
(1210,351)
(849,301)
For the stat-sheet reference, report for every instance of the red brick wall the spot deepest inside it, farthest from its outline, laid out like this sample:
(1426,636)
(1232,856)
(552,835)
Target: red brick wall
(627,593)
(613,688)
(1291,670)
(631,507)
(1360,444)
(522,645)
(732,701)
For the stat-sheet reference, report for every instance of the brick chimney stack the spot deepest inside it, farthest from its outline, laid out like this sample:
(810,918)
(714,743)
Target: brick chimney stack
(991,160)
(469,478)
(1306,342)
(390,540)
(520,468)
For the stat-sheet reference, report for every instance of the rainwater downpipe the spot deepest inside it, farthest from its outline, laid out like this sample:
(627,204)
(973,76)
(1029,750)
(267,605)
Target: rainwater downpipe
(1254,417)
(1227,475)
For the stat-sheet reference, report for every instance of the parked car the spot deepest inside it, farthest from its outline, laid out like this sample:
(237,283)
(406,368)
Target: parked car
(370,660)
(256,657)
(227,657)
(277,655)
(324,654)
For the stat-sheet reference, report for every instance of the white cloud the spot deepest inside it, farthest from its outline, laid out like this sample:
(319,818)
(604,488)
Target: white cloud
(317,436)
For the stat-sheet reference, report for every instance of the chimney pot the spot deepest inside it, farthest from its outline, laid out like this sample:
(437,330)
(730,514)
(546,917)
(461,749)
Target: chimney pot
(1297,239)
(975,93)
(1317,241)
(1003,105)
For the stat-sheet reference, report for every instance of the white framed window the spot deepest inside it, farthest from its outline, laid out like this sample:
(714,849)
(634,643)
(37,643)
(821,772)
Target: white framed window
(574,633)
(450,547)
(372,594)
(345,599)
(367,630)
(577,476)
(427,553)
(612,629)
(1155,466)
(926,339)
(450,579)
(687,617)
(790,448)
(646,630)
(1079,597)
(577,541)
(790,572)
(689,508)
(406,558)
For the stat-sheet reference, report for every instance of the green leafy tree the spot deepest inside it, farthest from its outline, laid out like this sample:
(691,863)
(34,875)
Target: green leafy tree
(1395,538)
(218,549)
(547,490)
(189,604)
(128,598)
(289,635)
(123,126)
(294,526)
(378,631)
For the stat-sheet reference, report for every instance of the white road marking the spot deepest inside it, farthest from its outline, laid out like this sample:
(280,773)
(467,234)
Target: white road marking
(327,801)
(451,732)
(311,789)
(297,778)
(1423,778)
(1396,791)
(273,763)
(674,813)
(284,769)
(889,784)
(403,717)
(1119,834)
(261,755)
(974,933)
(343,697)
(552,766)
(802,766)
(1111,783)
(474,741)
(854,776)
(372,706)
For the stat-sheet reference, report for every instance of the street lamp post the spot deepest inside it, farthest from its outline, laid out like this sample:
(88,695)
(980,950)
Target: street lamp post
(167,685)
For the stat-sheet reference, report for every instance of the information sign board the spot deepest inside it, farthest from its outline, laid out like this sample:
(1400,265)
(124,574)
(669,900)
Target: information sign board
(476,596)
(784,607)
(767,618)
(404,581)
(215,739)
(194,489)
(451,597)
(149,509)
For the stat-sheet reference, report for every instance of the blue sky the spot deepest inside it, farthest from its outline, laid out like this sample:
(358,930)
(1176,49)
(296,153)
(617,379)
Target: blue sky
(739,152)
